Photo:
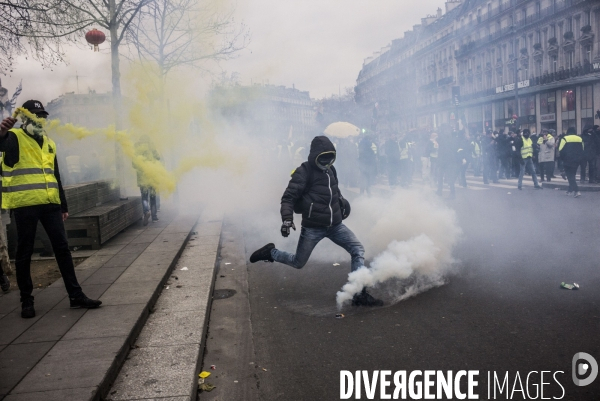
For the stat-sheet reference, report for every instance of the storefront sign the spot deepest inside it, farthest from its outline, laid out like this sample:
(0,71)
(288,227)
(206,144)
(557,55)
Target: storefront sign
(505,88)
(511,87)
(548,117)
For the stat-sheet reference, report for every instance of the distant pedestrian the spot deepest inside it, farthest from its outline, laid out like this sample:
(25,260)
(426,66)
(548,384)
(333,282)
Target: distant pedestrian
(392,154)
(490,158)
(432,150)
(588,163)
(448,162)
(546,155)
(146,153)
(571,154)
(524,146)
(367,163)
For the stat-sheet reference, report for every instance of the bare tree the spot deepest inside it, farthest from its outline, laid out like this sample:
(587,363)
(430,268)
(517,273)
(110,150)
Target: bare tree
(43,27)
(175,33)
(34,28)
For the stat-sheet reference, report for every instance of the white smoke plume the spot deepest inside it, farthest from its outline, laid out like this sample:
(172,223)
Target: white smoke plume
(411,233)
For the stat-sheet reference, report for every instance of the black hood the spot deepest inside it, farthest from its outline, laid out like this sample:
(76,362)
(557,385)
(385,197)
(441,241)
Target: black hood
(320,144)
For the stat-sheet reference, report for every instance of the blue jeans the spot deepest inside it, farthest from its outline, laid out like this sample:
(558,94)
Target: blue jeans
(528,163)
(149,201)
(310,237)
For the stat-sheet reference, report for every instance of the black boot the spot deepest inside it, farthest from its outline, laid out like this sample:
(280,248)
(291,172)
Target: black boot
(84,302)
(365,299)
(263,253)
(27,310)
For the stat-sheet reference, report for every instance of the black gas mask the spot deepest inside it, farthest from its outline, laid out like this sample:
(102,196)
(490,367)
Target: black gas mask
(325,160)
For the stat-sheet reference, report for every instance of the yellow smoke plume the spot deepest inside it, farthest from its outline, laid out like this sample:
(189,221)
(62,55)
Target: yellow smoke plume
(154,172)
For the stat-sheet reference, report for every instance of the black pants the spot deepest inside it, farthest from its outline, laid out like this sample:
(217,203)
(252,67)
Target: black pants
(570,172)
(405,172)
(26,220)
(489,169)
(505,166)
(546,169)
(393,168)
(592,169)
(449,172)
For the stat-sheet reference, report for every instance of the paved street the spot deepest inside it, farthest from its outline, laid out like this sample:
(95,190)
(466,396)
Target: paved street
(502,310)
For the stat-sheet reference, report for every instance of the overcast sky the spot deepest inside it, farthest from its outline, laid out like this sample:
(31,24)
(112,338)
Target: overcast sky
(317,45)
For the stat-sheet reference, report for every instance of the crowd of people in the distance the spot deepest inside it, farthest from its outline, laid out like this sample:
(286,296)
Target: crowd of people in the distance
(446,155)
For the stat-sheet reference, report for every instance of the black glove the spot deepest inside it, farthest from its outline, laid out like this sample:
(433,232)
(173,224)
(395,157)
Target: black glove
(345,207)
(285,227)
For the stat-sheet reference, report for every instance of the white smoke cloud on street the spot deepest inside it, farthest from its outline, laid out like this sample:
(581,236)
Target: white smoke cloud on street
(409,235)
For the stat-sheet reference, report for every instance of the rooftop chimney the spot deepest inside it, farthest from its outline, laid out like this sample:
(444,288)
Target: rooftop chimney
(439,12)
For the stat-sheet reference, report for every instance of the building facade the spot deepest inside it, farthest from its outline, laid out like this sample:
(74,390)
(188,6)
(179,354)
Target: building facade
(266,109)
(483,62)
(91,110)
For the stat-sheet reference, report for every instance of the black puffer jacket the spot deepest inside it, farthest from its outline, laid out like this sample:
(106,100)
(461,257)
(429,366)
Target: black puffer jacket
(315,190)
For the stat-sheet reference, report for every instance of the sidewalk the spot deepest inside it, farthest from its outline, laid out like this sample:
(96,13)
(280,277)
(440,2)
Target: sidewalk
(74,354)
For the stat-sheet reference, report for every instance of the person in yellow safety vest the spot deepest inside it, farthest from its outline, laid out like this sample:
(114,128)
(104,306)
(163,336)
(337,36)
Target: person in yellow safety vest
(571,149)
(524,144)
(32,189)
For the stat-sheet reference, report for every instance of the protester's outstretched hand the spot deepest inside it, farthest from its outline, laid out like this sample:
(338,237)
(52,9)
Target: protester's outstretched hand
(285,227)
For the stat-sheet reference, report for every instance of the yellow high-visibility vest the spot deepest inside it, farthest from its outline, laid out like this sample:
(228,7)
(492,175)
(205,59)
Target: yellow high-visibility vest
(31,180)
(527,149)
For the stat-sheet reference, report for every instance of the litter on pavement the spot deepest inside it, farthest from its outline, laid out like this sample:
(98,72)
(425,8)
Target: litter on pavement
(566,286)
(213,367)
(227,263)
(207,387)
(204,374)
(184,268)
(339,316)
(336,264)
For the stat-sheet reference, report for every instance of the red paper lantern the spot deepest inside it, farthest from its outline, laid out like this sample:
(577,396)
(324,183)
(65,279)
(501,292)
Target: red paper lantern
(95,37)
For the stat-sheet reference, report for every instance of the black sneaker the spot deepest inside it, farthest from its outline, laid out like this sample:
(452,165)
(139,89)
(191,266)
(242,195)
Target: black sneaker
(365,299)
(263,253)
(84,302)
(27,310)
(4,283)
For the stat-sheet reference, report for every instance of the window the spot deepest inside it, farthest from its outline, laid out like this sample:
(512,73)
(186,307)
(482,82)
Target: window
(570,59)
(587,111)
(510,106)
(548,103)
(499,110)
(527,105)
(568,109)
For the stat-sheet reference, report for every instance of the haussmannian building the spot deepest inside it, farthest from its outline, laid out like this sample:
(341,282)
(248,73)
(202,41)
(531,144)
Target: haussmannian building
(467,61)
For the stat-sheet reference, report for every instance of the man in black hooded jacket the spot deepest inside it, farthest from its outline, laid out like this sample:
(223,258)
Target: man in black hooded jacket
(314,192)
